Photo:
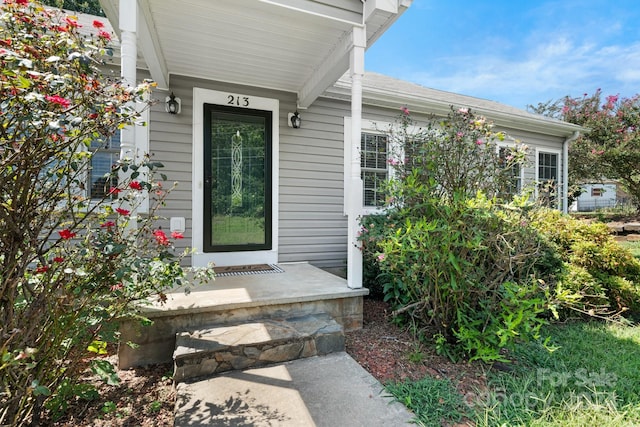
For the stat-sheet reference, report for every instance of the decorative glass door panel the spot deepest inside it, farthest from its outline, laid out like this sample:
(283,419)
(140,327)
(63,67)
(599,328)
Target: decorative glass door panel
(237,167)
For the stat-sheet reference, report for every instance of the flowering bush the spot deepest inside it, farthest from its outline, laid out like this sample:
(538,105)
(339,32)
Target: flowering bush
(71,267)
(610,148)
(457,260)
(461,154)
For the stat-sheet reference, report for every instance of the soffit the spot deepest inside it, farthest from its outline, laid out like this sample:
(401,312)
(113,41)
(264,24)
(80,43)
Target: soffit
(276,44)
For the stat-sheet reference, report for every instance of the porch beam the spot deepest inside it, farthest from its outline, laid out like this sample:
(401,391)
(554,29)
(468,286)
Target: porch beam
(382,14)
(354,202)
(148,42)
(334,65)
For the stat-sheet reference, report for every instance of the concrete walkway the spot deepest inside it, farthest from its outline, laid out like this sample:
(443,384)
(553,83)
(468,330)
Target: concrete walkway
(331,391)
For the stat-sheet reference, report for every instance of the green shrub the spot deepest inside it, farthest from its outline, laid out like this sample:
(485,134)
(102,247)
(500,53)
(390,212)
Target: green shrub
(454,258)
(603,276)
(466,271)
(373,278)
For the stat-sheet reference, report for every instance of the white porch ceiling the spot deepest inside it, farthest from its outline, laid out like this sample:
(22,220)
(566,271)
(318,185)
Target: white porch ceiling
(299,46)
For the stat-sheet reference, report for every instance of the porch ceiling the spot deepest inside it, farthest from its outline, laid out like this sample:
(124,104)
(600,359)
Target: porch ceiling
(299,46)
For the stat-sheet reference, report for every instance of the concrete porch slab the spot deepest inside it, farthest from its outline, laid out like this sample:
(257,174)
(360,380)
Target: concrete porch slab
(332,390)
(299,282)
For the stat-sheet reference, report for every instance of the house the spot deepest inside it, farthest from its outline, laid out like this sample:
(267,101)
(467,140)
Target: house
(254,64)
(271,101)
(606,194)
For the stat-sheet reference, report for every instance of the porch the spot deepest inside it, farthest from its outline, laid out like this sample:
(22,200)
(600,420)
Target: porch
(299,290)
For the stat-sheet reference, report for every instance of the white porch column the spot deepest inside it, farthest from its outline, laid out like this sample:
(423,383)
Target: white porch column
(128,63)
(128,50)
(354,254)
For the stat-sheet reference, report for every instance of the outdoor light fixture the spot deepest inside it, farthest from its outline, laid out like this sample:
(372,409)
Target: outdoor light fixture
(172,104)
(295,120)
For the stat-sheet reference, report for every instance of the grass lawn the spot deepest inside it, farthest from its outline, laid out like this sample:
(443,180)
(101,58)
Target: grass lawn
(592,379)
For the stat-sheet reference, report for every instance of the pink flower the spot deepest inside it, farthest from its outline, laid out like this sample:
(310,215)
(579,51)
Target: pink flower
(161,237)
(66,234)
(22,2)
(381,257)
(123,212)
(97,24)
(104,35)
(108,224)
(135,185)
(57,99)
(478,142)
(463,110)
(177,235)
(393,162)
(405,111)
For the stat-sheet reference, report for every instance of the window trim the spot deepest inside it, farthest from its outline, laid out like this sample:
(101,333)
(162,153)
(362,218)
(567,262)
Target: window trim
(368,126)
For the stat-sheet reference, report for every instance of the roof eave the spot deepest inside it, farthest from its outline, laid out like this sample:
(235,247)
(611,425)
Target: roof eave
(421,105)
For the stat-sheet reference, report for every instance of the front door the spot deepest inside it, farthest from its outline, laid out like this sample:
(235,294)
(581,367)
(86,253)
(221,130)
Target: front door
(237,179)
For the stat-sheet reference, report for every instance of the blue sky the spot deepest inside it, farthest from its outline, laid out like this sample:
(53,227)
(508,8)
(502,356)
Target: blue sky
(517,52)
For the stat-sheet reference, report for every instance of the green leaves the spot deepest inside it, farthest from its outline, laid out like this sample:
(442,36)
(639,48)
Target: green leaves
(448,248)
(39,390)
(105,371)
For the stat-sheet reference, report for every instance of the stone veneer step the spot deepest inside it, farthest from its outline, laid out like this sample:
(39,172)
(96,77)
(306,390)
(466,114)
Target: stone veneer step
(251,345)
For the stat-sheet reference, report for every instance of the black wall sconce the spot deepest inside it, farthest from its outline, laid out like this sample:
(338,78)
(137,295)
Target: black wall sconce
(172,105)
(295,121)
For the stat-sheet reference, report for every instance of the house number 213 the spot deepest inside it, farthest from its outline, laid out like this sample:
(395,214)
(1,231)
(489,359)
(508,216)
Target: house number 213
(240,101)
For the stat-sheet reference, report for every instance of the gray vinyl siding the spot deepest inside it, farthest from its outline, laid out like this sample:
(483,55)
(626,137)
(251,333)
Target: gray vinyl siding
(312,226)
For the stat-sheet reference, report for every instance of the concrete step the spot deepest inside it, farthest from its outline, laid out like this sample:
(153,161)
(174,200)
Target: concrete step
(254,344)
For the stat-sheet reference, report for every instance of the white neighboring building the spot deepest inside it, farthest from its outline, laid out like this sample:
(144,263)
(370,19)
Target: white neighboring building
(597,196)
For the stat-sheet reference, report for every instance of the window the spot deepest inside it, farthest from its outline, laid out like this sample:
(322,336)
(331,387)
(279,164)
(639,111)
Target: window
(597,192)
(548,173)
(515,183)
(106,154)
(373,163)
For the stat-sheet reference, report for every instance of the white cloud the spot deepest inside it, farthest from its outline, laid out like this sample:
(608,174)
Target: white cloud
(548,70)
